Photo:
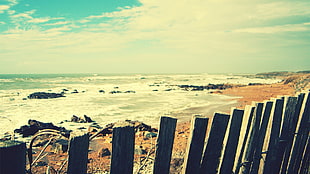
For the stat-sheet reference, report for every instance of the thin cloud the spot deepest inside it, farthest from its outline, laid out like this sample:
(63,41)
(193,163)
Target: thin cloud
(39,20)
(58,23)
(13,2)
(275,29)
(24,15)
(3,8)
(11,12)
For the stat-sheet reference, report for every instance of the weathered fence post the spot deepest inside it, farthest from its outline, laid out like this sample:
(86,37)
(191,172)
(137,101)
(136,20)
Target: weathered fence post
(232,141)
(305,165)
(212,153)
(285,132)
(295,119)
(261,138)
(12,157)
(164,145)
(249,114)
(301,139)
(253,139)
(78,153)
(123,144)
(195,145)
(274,136)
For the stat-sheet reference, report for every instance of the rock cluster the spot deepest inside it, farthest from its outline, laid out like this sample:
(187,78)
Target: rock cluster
(45,95)
(77,119)
(201,88)
(34,126)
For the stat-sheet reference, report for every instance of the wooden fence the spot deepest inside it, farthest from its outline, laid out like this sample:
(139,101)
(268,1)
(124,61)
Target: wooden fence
(270,138)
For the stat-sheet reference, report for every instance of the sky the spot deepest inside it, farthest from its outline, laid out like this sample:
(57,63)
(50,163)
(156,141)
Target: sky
(154,36)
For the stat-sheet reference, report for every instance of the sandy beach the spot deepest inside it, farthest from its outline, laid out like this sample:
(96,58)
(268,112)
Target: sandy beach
(245,95)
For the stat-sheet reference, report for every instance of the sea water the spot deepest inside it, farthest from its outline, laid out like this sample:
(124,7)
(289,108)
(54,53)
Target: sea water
(148,97)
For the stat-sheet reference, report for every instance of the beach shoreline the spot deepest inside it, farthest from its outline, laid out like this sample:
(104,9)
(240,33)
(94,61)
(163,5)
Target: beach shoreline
(238,97)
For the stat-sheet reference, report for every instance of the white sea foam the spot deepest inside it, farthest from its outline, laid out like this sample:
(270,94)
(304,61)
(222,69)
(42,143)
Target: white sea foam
(147,104)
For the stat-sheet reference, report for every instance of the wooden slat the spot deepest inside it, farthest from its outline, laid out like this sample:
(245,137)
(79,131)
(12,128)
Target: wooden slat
(261,138)
(245,139)
(301,139)
(12,157)
(274,136)
(123,143)
(78,153)
(195,145)
(305,165)
(253,139)
(213,150)
(232,142)
(164,145)
(285,132)
(292,130)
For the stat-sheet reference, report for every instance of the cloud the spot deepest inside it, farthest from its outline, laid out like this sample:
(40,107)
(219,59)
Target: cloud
(11,12)
(24,15)
(276,29)
(13,2)
(39,20)
(194,29)
(282,9)
(3,8)
(58,23)
(84,21)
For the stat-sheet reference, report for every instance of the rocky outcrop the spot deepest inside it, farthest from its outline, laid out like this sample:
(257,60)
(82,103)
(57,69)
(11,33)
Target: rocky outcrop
(34,126)
(45,95)
(77,119)
(207,87)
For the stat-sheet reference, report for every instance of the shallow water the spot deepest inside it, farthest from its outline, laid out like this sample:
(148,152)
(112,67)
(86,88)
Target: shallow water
(155,95)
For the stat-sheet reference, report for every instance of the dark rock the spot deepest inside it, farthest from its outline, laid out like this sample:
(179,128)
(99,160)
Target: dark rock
(115,92)
(75,91)
(107,130)
(104,152)
(130,91)
(34,126)
(45,95)
(92,129)
(40,142)
(88,119)
(207,87)
(76,119)
(95,125)
(150,135)
(101,91)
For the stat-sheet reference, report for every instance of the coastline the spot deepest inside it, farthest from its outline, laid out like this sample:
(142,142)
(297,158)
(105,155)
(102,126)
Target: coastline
(238,97)
(245,95)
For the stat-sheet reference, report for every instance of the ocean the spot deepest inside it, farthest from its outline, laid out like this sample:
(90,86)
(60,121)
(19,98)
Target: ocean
(142,97)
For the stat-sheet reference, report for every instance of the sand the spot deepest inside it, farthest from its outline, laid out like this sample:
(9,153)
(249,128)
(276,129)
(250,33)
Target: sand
(245,96)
